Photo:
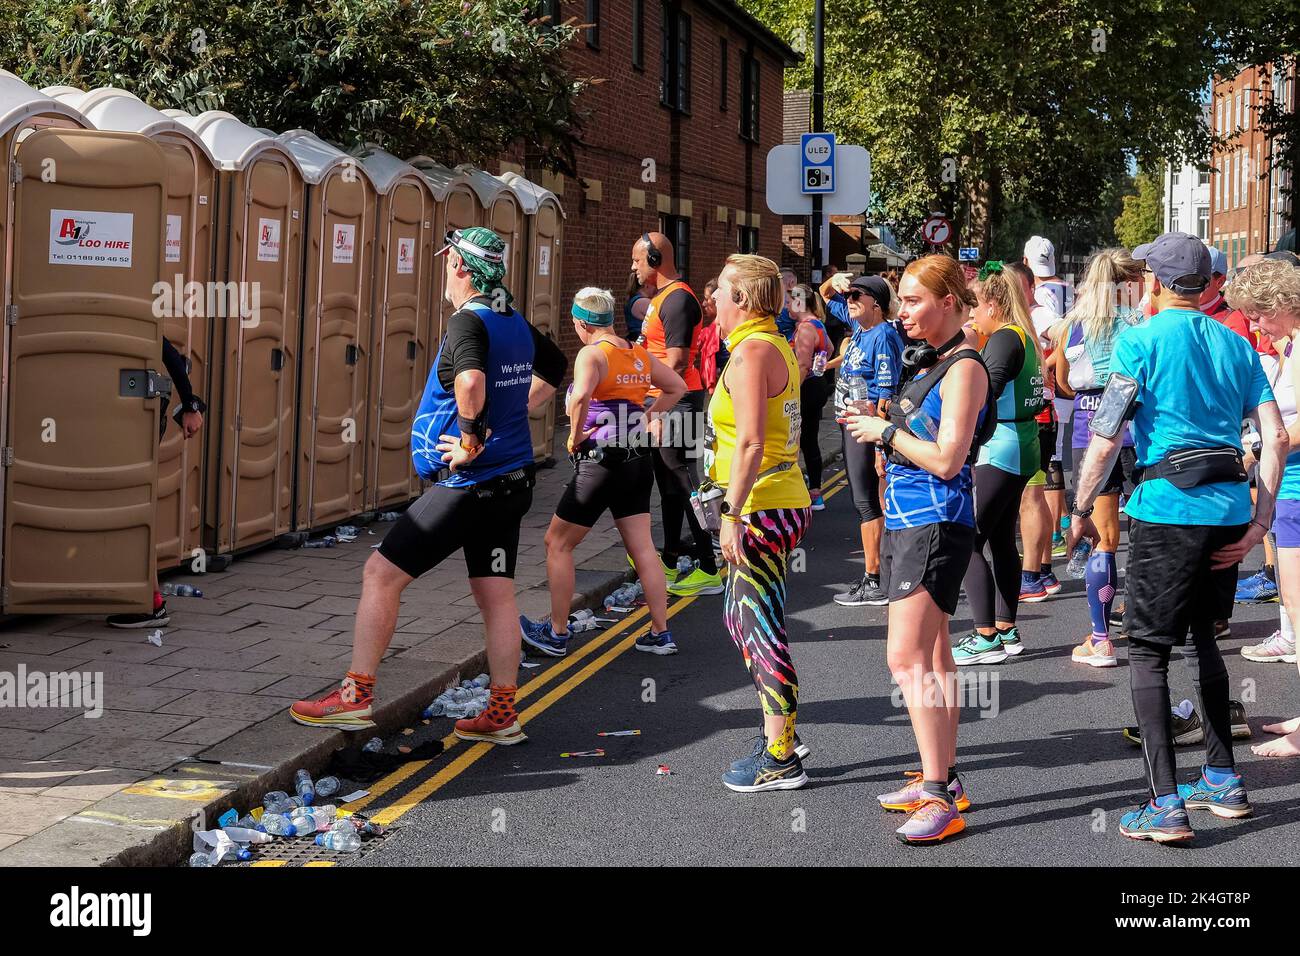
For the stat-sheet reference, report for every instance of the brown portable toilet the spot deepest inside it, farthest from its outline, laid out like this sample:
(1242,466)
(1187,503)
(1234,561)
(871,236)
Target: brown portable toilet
(82,225)
(191,234)
(254,360)
(334,368)
(504,215)
(541,301)
(404,284)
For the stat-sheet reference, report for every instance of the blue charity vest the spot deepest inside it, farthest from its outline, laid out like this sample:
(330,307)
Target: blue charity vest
(509,375)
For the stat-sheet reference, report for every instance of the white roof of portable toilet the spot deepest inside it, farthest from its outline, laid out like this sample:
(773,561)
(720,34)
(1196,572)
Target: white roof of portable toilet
(109,108)
(486,185)
(383,167)
(232,143)
(18,101)
(439,177)
(531,196)
(317,157)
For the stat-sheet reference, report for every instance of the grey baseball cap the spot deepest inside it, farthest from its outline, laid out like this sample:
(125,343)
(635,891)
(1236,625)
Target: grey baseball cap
(1218,261)
(1181,262)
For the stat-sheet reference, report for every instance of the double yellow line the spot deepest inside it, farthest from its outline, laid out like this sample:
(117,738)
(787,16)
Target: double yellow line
(608,642)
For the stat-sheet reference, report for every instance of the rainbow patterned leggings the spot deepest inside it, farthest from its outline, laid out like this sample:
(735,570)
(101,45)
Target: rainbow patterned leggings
(754,604)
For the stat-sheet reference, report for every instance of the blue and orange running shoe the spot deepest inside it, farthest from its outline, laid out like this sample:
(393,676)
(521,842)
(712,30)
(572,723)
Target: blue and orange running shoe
(1163,823)
(1227,799)
(1032,588)
(1050,582)
(932,821)
(912,795)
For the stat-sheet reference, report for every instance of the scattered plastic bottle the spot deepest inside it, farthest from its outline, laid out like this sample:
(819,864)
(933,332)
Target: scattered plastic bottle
(302,785)
(247,821)
(819,364)
(313,819)
(373,745)
(1078,566)
(200,859)
(346,532)
(327,786)
(180,590)
(326,542)
(343,841)
(389,516)
(624,596)
(286,805)
(277,824)
(275,796)
(483,681)
(243,854)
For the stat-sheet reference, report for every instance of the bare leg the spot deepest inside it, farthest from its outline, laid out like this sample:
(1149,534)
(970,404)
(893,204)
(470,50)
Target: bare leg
(382,584)
(639,543)
(495,598)
(943,663)
(1035,529)
(1288,580)
(871,534)
(915,624)
(561,538)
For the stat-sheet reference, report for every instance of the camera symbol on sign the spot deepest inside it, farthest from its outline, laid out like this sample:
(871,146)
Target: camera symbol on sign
(818,178)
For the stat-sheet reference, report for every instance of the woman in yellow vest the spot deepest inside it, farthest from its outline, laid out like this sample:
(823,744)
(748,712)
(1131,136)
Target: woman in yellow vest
(753,454)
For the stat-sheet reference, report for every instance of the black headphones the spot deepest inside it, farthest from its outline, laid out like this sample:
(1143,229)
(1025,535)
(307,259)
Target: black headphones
(653,257)
(922,355)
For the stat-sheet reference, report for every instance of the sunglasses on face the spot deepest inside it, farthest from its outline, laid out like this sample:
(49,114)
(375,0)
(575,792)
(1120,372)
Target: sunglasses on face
(854,295)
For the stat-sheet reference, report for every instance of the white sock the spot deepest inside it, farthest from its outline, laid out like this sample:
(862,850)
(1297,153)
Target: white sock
(1288,632)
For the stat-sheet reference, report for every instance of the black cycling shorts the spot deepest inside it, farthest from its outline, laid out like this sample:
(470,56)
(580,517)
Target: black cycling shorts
(932,556)
(446,520)
(1171,586)
(1122,473)
(623,487)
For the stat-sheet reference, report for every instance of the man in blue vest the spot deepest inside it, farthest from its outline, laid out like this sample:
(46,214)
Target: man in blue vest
(492,369)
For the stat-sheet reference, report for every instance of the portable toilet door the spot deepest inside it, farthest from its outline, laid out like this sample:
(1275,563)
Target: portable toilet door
(84,251)
(189,260)
(330,470)
(254,355)
(503,214)
(542,298)
(403,286)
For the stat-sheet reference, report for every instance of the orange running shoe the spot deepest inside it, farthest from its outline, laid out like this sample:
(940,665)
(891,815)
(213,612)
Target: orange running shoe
(343,709)
(1095,653)
(932,821)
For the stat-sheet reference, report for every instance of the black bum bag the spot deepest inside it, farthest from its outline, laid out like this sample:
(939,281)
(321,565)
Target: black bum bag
(1192,467)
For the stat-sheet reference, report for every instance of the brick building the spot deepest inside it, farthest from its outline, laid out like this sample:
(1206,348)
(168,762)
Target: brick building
(677,139)
(1248,202)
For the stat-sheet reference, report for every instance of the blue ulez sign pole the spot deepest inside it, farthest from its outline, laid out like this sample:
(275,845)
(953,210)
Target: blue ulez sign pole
(818,124)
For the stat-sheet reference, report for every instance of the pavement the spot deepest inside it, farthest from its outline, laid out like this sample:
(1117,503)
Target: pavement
(199,724)
(1040,750)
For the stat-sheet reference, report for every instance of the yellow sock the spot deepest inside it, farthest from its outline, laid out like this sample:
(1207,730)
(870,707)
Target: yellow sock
(783,745)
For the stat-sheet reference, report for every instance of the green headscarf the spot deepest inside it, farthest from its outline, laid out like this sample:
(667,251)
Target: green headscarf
(483,253)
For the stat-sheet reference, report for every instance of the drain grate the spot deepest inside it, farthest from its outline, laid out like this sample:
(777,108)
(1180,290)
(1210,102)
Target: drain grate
(305,852)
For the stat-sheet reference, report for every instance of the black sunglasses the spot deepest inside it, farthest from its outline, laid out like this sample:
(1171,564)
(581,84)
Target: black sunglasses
(854,294)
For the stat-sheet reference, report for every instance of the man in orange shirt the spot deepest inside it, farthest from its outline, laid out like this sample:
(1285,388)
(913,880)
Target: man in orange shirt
(671,334)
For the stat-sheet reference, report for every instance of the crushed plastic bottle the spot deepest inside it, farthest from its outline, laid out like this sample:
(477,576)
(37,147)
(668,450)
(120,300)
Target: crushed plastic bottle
(285,804)
(345,533)
(327,786)
(1078,566)
(302,785)
(180,590)
(155,638)
(468,700)
(389,516)
(343,841)
(247,834)
(326,542)
(200,859)
(373,745)
(313,819)
(625,596)
(277,824)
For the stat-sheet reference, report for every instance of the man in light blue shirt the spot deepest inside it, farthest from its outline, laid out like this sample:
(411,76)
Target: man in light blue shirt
(1186,382)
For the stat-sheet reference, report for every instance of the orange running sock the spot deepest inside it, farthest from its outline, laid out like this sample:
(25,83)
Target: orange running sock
(501,705)
(362,686)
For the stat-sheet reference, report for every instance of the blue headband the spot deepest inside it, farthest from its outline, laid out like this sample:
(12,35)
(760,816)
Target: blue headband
(592,318)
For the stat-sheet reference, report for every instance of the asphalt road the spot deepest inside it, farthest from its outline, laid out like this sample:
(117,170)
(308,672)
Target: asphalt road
(1040,751)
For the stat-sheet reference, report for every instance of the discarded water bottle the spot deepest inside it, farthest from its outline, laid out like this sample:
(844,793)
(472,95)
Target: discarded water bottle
(327,786)
(277,824)
(344,841)
(287,805)
(456,711)
(389,516)
(685,565)
(1078,566)
(346,532)
(326,542)
(483,681)
(275,796)
(180,590)
(243,853)
(819,364)
(302,785)
(582,615)
(200,859)
(247,821)
(313,819)
(373,745)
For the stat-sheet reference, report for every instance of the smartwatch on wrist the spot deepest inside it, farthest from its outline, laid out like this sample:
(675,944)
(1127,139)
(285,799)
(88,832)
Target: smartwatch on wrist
(1082,514)
(887,435)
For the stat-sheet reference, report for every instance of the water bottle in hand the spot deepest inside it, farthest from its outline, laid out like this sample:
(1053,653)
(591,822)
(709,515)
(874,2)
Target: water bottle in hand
(819,364)
(1078,565)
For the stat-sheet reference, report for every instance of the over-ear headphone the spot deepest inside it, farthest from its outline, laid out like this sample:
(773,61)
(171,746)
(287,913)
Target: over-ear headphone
(922,355)
(653,256)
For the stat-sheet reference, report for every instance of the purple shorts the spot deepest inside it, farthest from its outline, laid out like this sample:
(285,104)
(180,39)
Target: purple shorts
(1286,523)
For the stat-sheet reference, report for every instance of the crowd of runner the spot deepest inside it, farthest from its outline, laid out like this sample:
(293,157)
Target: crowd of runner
(955,390)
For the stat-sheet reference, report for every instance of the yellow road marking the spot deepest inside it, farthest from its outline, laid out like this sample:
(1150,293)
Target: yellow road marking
(320,863)
(268,863)
(471,756)
(199,790)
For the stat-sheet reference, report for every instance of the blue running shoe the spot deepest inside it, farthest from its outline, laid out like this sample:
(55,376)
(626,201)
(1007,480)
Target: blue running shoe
(765,772)
(760,744)
(819,503)
(652,643)
(1150,821)
(540,635)
(1225,800)
(1256,589)
(1049,582)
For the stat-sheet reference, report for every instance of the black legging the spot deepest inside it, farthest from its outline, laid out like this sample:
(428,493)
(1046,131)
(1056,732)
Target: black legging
(676,477)
(864,483)
(1148,666)
(813,394)
(997,505)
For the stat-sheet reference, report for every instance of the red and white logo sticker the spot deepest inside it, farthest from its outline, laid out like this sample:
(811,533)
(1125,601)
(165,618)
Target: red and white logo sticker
(268,240)
(80,237)
(173,238)
(405,256)
(344,243)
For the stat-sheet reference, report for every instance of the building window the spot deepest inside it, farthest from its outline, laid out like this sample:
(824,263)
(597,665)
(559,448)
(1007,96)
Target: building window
(678,231)
(1174,173)
(638,34)
(749,96)
(675,86)
(593,17)
(1202,177)
(1202,222)
(724,69)
(551,9)
(747,242)
(1173,219)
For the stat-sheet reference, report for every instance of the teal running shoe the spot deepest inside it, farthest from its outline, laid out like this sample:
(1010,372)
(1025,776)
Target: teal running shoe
(1011,641)
(977,648)
(1225,800)
(1163,824)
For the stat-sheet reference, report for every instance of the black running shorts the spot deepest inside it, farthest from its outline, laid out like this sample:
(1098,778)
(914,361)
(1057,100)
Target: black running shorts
(621,487)
(932,556)
(446,520)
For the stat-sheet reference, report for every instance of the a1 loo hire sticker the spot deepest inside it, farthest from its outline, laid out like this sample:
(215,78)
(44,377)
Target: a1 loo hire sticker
(405,256)
(79,237)
(344,243)
(268,240)
(173,238)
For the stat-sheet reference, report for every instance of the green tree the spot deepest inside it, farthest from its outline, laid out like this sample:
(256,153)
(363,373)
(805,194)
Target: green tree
(460,81)
(1142,218)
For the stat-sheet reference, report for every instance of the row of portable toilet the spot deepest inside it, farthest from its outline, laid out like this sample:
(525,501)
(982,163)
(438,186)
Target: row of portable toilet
(311,383)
